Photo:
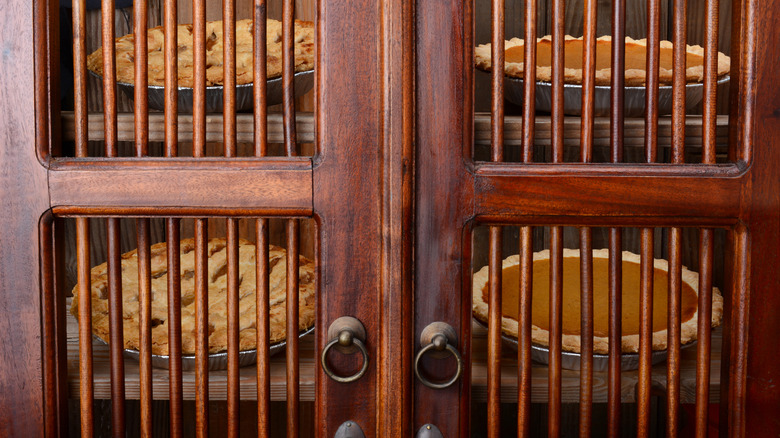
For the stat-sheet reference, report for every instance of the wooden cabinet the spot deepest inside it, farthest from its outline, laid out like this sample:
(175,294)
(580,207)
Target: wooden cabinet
(401,211)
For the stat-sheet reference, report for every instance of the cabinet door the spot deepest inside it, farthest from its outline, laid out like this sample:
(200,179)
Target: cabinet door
(341,188)
(692,190)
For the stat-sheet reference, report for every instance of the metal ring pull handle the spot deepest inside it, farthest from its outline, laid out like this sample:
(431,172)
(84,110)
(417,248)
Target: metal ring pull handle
(346,335)
(441,340)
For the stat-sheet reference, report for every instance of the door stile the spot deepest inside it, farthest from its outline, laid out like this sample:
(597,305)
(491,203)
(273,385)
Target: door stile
(443,200)
(23,201)
(394,395)
(763,221)
(347,203)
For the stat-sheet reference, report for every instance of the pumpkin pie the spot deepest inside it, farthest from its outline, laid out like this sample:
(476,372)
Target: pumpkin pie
(217,297)
(571,301)
(635,60)
(125,53)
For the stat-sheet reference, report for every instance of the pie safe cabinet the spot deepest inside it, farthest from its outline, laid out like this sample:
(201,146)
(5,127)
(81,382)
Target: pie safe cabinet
(405,177)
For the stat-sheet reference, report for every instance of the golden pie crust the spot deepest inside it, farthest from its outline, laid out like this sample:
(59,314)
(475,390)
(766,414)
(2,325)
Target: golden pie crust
(635,57)
(217,297)
(125,56)
(571,301)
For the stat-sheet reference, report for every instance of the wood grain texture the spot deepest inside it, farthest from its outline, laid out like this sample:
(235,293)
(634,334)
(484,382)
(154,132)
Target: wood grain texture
(22,203)
(265,183)
(763,393)
(347,199)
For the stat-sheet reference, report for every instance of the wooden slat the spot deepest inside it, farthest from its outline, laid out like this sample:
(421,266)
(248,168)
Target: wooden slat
(116,327)
(615,329)
(679,79)
(201,328)
(233,391)
(529,84)
(653,64)
(291,350)
(49,304)
(497,80)
(586,331)
(171,82)
(557,117)
(85,353)
(109,77)
(145,324)
(556,331)
(260,86)
(704,329)
(644,386)
(217,379)
(588,80)
(229,90)
(710,78)
(674,333)
(288,72)
(524,331)
(570,380)
(494,332)
(199,130)
(263,377)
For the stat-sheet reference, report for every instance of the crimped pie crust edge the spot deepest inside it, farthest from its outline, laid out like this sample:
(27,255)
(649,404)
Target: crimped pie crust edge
(572,343)
(633,77)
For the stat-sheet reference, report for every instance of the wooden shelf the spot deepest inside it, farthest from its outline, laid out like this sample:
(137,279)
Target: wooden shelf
(217,379)
(570,380)
(633,129)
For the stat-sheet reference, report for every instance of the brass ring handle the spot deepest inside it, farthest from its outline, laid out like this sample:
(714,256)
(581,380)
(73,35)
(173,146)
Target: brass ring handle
(438,343)
(345,340)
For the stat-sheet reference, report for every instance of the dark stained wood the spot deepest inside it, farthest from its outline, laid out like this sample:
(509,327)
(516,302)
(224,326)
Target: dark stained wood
(442,269)
(505,190)
(615,329)
(704,328)
(556,331)
(86,392)
(394,384)
(350,120)
(645,332)
(674,333)
(495,316)
(116,328)
(762,397)
(263,330)
(349,274)
(269,183)
(586,331)
(524,332)
(292,357)
(233,394)
(175,390)
(145,324)
(288,72)
(201,328)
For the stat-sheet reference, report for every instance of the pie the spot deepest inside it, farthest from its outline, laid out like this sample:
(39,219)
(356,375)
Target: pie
(571,301)
(635,60)
(125,53)
(217,297)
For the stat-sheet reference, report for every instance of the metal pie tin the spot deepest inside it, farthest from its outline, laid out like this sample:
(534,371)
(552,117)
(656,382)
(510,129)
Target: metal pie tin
(634,97)
(303,82)
(217,361)
(571,361)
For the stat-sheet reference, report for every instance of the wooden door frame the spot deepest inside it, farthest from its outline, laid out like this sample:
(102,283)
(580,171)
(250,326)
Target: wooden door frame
(358,188)
(456,193)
